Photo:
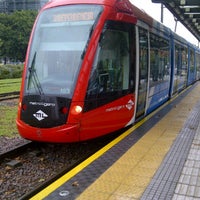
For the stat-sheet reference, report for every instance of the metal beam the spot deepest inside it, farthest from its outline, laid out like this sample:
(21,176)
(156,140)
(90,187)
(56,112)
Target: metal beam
(186,11)
(190,2)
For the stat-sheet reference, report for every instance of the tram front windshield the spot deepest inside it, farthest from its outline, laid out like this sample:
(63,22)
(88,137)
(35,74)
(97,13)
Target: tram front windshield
(59,43)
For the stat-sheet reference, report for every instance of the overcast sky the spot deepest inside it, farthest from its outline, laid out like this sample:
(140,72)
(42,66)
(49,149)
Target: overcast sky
(154,10)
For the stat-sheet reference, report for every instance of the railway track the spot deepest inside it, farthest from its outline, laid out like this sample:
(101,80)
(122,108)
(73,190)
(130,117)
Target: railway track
(39,164)
(14,152)
(9,96)
(53,178)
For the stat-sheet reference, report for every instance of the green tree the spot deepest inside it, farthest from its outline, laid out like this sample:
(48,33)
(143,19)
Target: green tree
(4,35)
(15,30)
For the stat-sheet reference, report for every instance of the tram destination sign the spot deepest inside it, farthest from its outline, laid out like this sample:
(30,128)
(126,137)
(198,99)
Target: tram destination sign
(80,16)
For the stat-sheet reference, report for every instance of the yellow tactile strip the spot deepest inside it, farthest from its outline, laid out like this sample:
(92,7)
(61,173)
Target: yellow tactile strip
(130,175)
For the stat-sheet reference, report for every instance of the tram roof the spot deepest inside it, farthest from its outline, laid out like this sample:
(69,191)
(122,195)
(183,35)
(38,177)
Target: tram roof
(187,12)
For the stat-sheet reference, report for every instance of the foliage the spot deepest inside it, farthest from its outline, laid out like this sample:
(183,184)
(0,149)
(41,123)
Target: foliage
(11,71)
(15,30)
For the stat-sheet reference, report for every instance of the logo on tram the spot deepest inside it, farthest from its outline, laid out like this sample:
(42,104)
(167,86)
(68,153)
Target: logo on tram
(40,115)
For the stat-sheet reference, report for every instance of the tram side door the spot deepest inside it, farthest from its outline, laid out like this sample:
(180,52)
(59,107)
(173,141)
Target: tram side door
(143,59)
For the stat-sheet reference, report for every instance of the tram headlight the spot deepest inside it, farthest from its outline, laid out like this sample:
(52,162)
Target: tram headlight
(76,110)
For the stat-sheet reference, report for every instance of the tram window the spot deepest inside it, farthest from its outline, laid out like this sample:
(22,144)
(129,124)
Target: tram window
(180,69)
(111,75)
(180,61)
(143,71)
(191,61)
(60,40)
(198,65)
(185,58)
(143,56)
(159,59)
(111,67)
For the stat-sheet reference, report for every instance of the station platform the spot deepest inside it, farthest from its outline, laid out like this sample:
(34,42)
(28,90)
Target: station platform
(158,158)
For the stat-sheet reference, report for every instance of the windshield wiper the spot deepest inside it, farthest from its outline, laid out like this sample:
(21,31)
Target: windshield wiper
(33,77)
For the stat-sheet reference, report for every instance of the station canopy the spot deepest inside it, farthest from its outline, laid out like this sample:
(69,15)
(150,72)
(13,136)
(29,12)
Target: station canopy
(185,11)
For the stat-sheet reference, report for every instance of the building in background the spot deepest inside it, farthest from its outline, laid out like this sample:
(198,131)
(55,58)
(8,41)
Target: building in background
(8,6)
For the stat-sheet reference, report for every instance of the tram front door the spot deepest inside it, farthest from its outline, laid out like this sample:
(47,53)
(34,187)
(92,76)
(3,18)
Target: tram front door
(143,73)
